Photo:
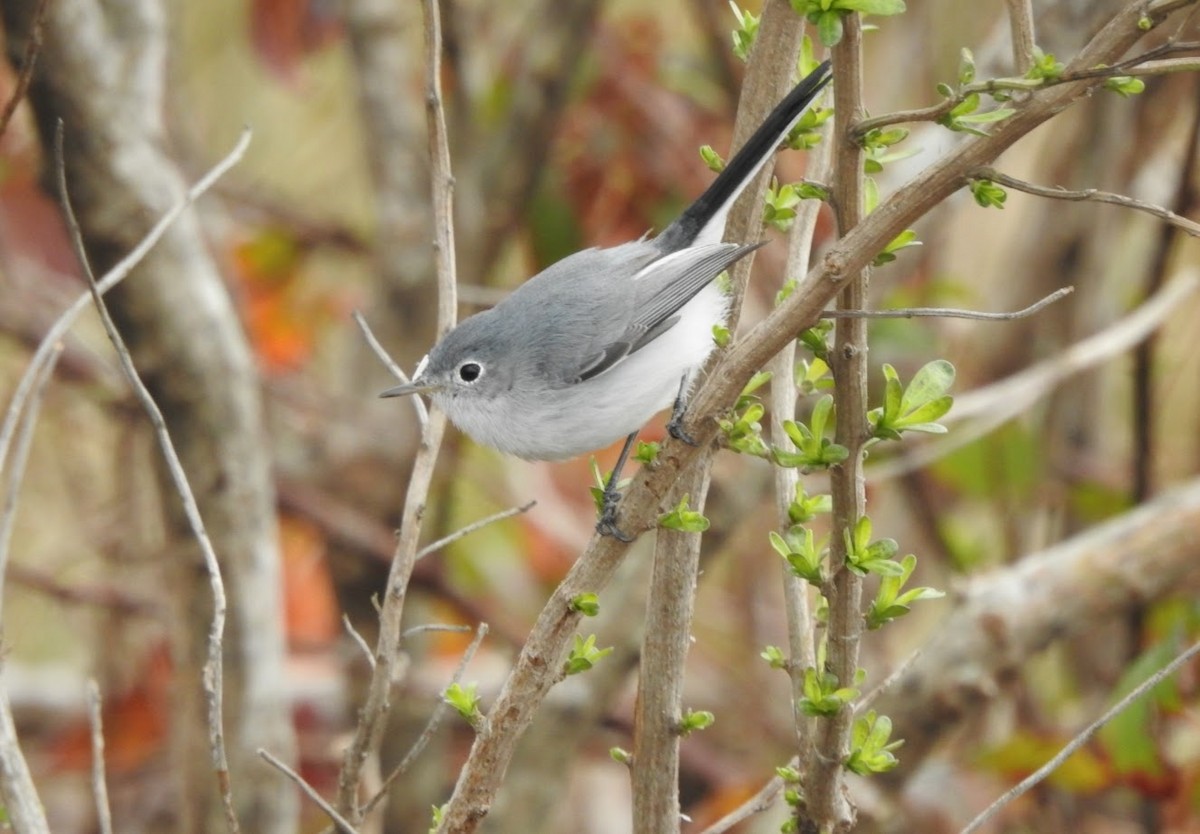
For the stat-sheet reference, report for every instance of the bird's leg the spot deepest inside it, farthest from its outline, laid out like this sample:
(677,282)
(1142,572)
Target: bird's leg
(675,425)
(607,525)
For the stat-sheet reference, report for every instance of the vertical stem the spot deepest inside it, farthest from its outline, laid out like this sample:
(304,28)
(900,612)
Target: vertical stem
(801,654)
(1020,18)
(655,774)
(828,805)
(373,716)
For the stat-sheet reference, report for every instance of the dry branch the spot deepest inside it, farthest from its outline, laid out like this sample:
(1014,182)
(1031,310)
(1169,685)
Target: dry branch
(1007,616)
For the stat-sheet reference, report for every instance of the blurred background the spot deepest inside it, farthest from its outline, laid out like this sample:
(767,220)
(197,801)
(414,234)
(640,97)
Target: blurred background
(576,123)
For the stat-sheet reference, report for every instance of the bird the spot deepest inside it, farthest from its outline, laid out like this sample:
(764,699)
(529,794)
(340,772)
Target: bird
(587,351)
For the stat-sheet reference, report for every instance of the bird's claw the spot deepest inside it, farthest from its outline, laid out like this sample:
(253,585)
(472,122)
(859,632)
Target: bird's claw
(607,524)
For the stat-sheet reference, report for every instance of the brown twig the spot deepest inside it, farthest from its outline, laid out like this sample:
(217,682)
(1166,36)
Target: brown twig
(1090,194)
(435,720)
(1001,401)
(801,636)
(827,806)
(28,61)
(378,349)
(950,312)
(339,821)
(99,783)
(474,526)
(373,714)
(21,798)
(1081,738)
(214,666)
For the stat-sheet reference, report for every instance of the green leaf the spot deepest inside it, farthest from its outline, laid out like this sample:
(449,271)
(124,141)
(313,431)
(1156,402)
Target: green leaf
(683,519)
(987,194)
(774,657)
(584,655)
(647,452)
(712,159)
(587,604)
(465,701)
(829,28)
(966,66)
(720,335)
(1125,86)
(695,720)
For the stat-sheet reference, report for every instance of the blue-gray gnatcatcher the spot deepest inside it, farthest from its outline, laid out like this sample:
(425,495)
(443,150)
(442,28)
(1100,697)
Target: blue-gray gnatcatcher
(588,350)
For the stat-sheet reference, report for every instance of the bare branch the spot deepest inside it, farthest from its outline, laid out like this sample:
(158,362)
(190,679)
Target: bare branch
(756,804)
(339,821)
(950,312)
(99,783)
(358,639)
(433,547)
(28,61)
(21,801)
(1007,615)
(213,668)
(24,440)
(390,364)
(435,720)
(1000,402)
(20,795)
(1092,194)
(1082,738)
(373,714)
(111,278)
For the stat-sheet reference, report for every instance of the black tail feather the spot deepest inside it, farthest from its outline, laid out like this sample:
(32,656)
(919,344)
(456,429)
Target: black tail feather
(739,170)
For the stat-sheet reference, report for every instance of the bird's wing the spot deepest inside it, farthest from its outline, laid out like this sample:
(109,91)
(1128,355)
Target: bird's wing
(660,289)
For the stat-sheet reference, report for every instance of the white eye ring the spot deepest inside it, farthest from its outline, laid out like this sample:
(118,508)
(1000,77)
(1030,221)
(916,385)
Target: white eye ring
(470,371)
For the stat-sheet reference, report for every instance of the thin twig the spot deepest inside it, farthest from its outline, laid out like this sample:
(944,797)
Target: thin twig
(864,703)
(949,312)
(435,720)
(28,61)
(1082,738)
(373,714)
(16,473)
(756,804)
(390,364)
(213,667)
(111,278)
(434,627)
(22,803)
(801,637)
(433,547)
(1147,63)
(358,639)
(1000,402)
(1092,194)
(99,783)
(338,820)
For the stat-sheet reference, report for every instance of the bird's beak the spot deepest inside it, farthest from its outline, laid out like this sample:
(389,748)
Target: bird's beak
(415,387)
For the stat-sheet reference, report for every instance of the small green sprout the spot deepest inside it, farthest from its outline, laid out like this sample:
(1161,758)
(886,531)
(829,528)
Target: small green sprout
(694,720)
(465,701)
(775,657)
(890,603)
(916,407)
(987,194)
(823,696)
(584,655)
(802,553)
(587,604)
(870,750)
(646,453)
(683,519)
(813,449)
(864,556)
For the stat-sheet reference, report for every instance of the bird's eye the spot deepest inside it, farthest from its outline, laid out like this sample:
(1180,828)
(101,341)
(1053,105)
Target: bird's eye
(470,371)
